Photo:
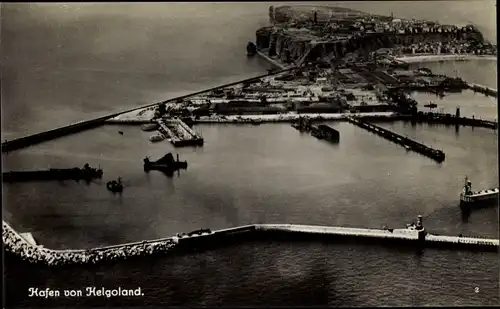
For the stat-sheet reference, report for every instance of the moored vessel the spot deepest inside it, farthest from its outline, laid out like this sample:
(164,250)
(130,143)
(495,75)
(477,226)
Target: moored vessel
(476,199)
(167,164)
(85,173)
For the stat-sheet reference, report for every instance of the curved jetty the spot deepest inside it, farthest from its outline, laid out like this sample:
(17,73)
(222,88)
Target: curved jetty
(413,234)
(85,173)
(20,246)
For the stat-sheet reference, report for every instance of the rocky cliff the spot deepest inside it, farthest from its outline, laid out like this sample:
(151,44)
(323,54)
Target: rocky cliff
(296,37)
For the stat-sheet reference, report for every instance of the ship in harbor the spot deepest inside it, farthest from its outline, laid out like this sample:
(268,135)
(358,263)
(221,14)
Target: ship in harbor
(431,105)
(166,164)
(475,199)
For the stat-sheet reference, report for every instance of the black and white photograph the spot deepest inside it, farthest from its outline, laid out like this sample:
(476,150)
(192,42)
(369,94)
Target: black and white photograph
(249,154)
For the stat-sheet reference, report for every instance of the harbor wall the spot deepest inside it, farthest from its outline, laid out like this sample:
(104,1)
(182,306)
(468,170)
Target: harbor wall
(37,138)
(18,245)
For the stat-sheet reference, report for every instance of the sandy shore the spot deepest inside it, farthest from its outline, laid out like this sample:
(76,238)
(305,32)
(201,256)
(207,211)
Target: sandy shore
(434,58)
(143,115)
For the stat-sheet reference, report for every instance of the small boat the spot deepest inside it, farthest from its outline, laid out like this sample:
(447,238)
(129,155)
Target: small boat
(156,138)
(150,127)
(251,49)
(431,105)
(115,186)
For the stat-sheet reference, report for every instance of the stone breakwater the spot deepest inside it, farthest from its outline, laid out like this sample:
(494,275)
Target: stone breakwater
(17,245)
(203,239)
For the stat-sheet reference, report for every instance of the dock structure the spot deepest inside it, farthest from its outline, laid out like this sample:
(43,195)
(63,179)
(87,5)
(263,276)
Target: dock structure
(188,131)
(164,129)
(37,138)
(179,133)
(325,132)
(449,119)
(322,131)
(406,142)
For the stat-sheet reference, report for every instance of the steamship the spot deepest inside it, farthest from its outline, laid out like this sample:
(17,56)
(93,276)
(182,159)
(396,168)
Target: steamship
(476,199)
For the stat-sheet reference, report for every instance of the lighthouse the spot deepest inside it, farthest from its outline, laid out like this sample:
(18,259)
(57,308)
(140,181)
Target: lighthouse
(420,228)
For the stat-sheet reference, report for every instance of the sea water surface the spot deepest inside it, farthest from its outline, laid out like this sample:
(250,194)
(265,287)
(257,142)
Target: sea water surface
(71,62)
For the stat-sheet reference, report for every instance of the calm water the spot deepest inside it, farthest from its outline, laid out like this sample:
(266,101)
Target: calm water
(71,66)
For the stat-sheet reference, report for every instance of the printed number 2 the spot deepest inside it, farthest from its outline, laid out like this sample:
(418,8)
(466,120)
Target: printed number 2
(476,289)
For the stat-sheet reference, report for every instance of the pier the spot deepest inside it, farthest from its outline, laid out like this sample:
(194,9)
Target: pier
(449,119)
(406,142)
(391,235)
(179,133)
